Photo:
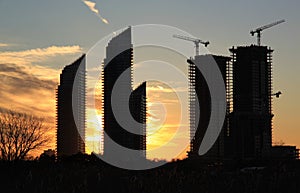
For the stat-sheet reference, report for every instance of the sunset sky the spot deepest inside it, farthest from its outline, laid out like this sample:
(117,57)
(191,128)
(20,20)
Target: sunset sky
(38,38)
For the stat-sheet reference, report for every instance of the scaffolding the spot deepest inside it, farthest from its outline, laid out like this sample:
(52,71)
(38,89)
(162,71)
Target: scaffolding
(270,90)
(192,104)
(252,107)
(229,91)
(101,145)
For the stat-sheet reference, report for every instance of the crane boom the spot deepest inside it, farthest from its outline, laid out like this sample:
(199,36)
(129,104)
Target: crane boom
(271,25)
(260,29)
(196,41)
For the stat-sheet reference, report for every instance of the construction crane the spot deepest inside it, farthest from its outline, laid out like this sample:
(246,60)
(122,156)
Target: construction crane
(260,29)
(196,41)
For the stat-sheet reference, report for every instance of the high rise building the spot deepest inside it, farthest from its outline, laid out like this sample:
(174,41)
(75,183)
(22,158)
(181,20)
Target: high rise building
(138,109)
(199,89)
(118,64)
(71,109)
(251,131)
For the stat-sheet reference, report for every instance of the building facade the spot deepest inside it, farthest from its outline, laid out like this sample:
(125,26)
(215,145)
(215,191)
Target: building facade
(71,109)
(251,131)
(118,65)
(199,89)
(138,109)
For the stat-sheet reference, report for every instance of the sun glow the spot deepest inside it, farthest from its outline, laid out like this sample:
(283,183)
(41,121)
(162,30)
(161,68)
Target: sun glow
(93,132)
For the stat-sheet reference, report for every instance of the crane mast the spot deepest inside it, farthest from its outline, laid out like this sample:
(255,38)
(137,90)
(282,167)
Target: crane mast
(197,42)
(259,30)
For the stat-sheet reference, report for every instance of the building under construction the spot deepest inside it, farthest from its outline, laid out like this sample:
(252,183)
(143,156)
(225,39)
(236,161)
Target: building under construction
(251,131)
(118,64)
(247,130)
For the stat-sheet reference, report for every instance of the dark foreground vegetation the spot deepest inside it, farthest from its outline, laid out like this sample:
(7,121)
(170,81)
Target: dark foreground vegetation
(82,173)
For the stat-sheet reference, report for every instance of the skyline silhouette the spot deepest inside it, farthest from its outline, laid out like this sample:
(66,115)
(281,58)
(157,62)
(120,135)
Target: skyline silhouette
(39,68)
(247,130)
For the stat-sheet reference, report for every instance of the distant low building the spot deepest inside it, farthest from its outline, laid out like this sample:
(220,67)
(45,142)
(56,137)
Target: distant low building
(283,152)
(48,155)
(49,152)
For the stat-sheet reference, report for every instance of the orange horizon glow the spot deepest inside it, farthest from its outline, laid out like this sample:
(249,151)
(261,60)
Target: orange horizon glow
(25,79)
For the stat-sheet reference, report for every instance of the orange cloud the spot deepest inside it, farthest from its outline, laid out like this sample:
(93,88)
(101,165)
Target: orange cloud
(4,45)
(31,88)
(37,55)
(24,92)
(166,135)
(165,89)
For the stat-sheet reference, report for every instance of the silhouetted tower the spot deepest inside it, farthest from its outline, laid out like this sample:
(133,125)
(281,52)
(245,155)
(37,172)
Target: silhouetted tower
(199,88)
(138,109)
(71,109)
(119,61)
(251,132)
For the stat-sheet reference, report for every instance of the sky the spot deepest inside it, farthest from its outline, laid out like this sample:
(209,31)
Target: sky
(39,37)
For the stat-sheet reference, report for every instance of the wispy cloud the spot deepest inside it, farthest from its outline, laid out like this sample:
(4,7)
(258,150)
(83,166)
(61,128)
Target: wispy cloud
(22,80)
(28,85)
(4,45)
(92,6)
(23,91)
(163,88)
(37,55)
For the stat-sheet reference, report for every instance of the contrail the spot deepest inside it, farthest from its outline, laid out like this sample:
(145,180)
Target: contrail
(92,6)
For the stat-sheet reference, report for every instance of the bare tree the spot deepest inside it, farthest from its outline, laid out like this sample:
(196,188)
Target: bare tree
(19,134)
